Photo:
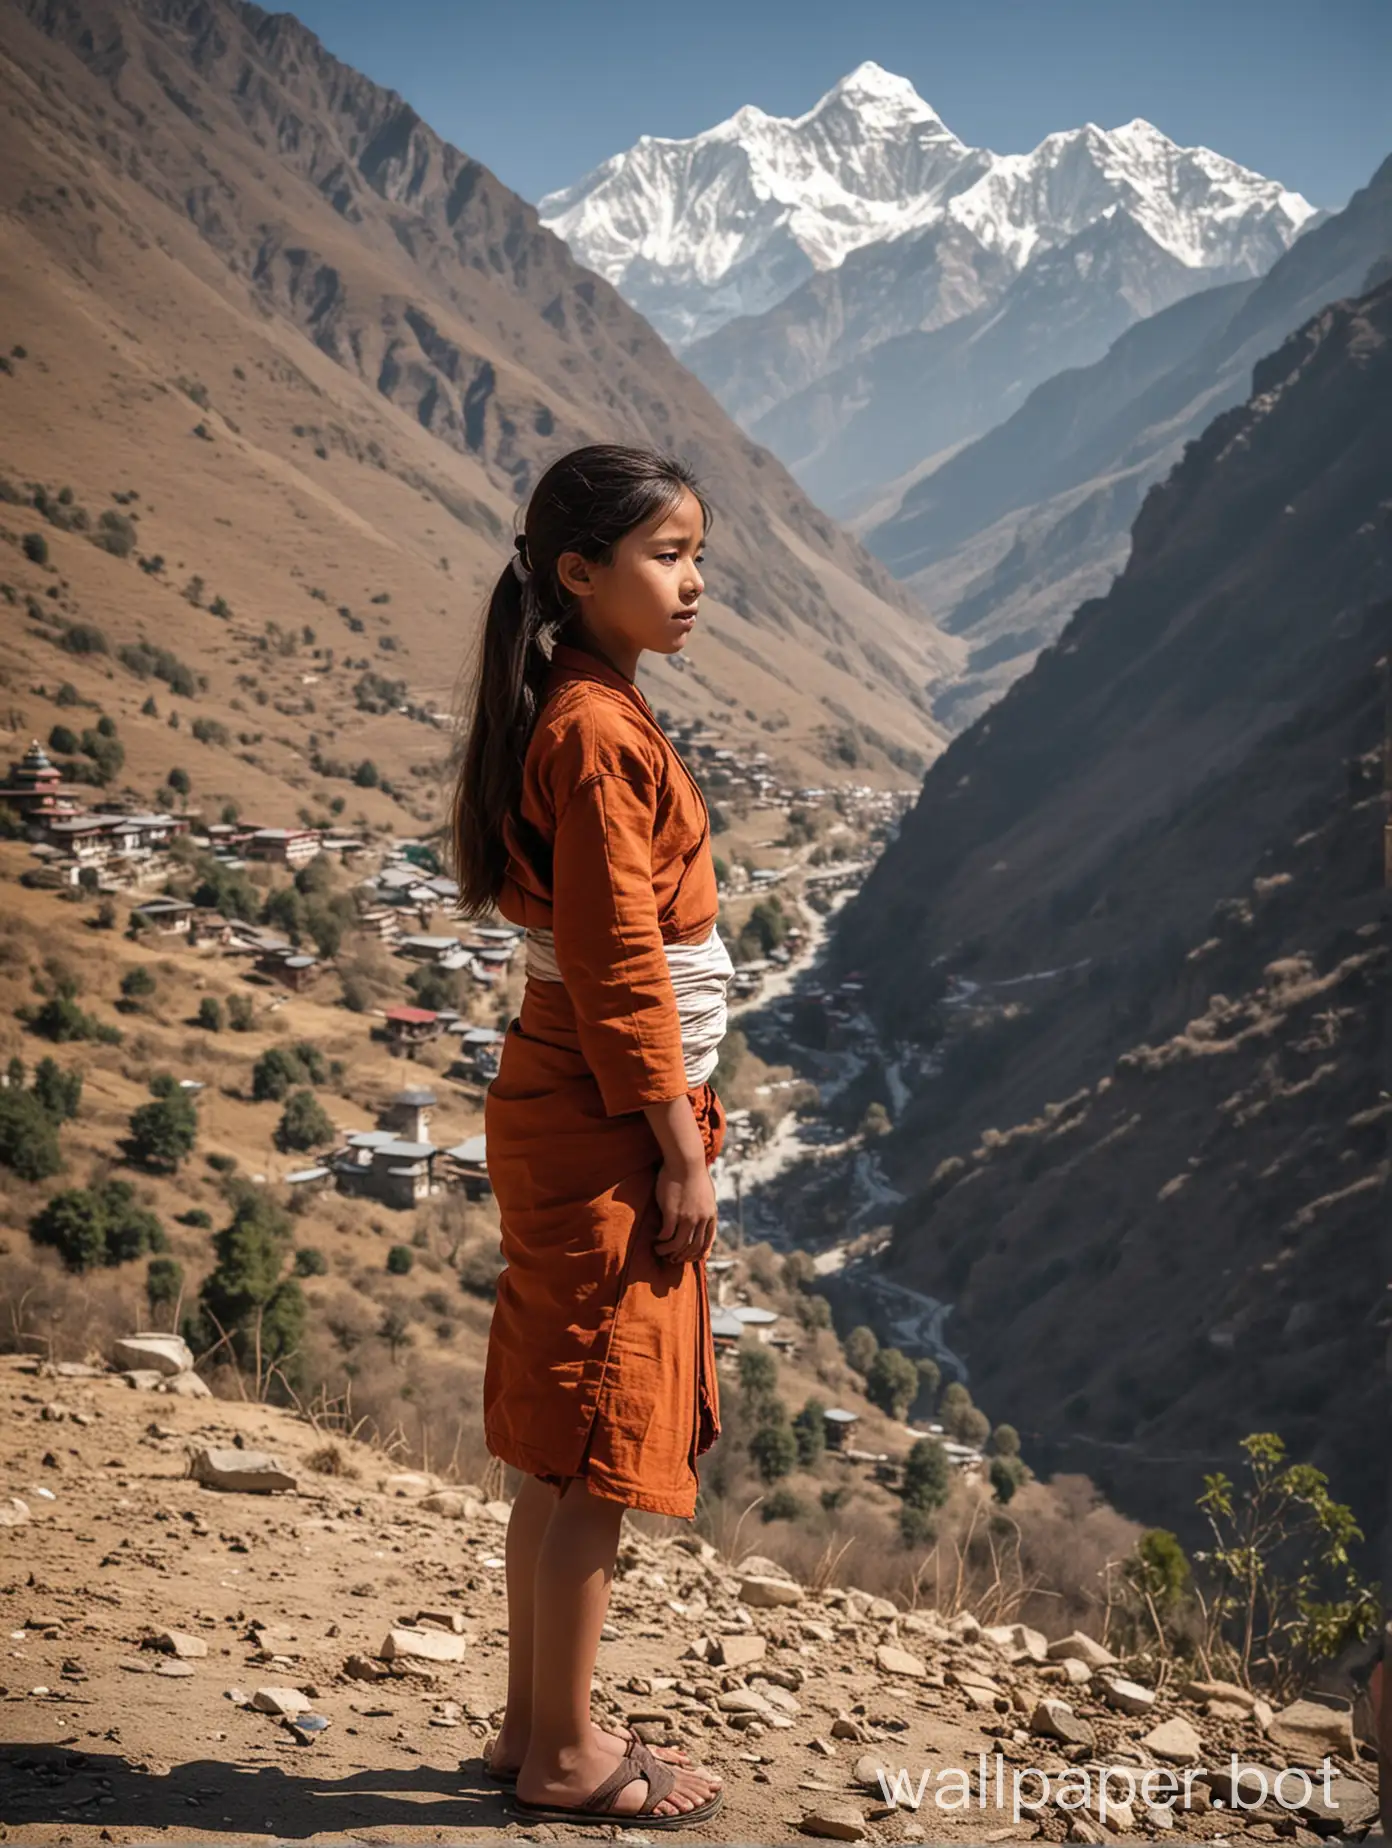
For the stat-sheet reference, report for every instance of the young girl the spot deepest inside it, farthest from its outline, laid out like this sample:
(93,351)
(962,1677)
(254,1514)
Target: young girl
(577,819)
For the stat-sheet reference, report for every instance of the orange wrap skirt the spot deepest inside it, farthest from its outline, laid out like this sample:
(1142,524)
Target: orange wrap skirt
(600,1358)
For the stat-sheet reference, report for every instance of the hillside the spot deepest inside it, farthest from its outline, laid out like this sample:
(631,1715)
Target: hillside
(1012,532)
(329,353)
(1139,912)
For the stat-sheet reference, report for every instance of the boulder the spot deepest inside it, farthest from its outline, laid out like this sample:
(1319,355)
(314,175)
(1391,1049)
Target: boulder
(768,1593)
(1158,1817)
(13,1511)
(1077,1646)
(156,1353)
(1018,1642)
(244,1472)
(965,1627)
(1351,1807)
(756,1565)
(409,1484)
(1201,1691)
(283,1702)
(453,1504)
(1125,1696)
(1055,1719)
(179,1643)
(742,1700)
(839,1822)
(738,1651)
(498,1511)
(186,1386)
(1307,1730)
(145,1379)
(867,1772)
(892,1661)
(403,1645)
(1176,1741)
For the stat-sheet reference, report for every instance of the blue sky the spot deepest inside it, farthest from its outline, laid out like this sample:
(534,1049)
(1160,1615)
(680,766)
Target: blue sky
(542,90)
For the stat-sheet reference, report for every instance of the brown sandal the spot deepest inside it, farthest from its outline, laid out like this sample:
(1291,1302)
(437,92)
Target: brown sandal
(637,1762)
(509,1778)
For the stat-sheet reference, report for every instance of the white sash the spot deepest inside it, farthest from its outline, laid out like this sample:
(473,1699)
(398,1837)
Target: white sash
(700,975)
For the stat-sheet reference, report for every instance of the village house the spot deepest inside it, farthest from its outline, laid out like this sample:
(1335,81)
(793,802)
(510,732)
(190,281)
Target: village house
(467,1167)
(838,1424)
(171,917)
(36,790)
(438,950)
(292,847)
(386,1168)
(480,1049)
(408,1114)
(210,929)
(410,1027)
(295,971)
(380,921)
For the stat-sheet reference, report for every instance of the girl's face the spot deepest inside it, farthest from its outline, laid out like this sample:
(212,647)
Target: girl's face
(645,598)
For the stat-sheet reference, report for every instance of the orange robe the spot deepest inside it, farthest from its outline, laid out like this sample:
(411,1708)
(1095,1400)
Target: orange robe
(600,1359)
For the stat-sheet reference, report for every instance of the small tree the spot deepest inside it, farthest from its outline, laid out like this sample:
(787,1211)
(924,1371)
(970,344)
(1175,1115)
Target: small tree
(400,1259)
(1003,1479)
(394,1329)
(58,1091)
(103,1224)
(974,1426)
(891,1382)
(773,1450)
(929,1382)
(62,741)
(35,548)
(927,1475)
(304,1124)
(799,1270)
(861,1348)
(162,1133)
(28,1137)
(953,1407)
(241,1013)
(809,1432)
(310,1262)
(247,1296)
(164,1283)
(137,984)
(758,1372)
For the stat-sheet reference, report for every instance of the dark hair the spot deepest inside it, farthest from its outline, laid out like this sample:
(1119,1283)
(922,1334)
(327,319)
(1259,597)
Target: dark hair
(586,502)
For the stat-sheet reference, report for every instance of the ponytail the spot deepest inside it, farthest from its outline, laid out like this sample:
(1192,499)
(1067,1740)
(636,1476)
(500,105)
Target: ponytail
(584,503)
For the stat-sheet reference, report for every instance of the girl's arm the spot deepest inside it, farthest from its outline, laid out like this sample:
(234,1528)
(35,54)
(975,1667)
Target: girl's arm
(684,1190)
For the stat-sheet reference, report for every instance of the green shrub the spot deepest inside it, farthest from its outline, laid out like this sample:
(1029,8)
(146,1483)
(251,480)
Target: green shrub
(162,1133)
(58,1091)
(148,661)
(310,1263)
(84,638)
(137,984)
(773,1450)
(28,1137)
(164,1282)
(209,1015)
(61,1019)
(35,548)
(280,1069)
(241,1013)
(781,1505)
(62,740)
(861,1347)
(400,1259)
(115,533)
(100,1225)
(196,1217)
(304,1124)
(892,1382)
(927,1475)
(809,1432)
(248,1296)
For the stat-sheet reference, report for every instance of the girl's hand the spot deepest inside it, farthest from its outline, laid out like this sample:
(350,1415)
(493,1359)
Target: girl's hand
(686,1199)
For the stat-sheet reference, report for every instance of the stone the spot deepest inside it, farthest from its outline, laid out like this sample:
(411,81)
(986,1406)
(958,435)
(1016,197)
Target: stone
(452,1621)
(839,1822)
(769,1593)
(965,1627)
(846,1726)
(410,1484)
(867,1771)
(453,1504)
(1158,1817)
(742,1700)
(1201,1691)
(305,1728)
(144,1379)
(1055,1719)
(403,1645)
(13,1511)
(174,1670)
(1125,1696)
(1177,1741)
(1079,1647)
(892,1661)
(156,1353)
(186,1386)
(1352,1805)
(179,1643)
(1307,1730)
(1082,1828)
(1075,1671)
(363,1668)
(282,1702)
(1018,1642)
(1226,1710)
(738,1651)
(1120,1814)
(813,1632)
(498,1511)
(1246,1787)
(240,1472)
(757,1565)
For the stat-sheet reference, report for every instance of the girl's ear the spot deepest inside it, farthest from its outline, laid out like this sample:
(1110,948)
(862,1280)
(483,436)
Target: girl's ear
(573,570)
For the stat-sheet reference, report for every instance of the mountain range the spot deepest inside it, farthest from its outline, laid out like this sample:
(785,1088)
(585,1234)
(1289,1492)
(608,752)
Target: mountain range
(385,348)
(863,291)
(1136,936)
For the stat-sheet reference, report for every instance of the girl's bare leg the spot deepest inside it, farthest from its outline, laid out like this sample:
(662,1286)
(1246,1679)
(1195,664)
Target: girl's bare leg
(567,1755)
(532,1509)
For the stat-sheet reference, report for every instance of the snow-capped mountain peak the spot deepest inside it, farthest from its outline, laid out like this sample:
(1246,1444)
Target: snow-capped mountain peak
(723,224)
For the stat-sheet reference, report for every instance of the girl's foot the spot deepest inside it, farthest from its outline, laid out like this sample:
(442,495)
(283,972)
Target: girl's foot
(508,1749)
(569,1782)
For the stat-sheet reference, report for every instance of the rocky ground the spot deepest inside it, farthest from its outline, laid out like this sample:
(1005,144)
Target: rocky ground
(165,1639)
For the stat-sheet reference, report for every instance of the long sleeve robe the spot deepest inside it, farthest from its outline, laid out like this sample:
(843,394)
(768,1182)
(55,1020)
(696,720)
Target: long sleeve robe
(600,1359)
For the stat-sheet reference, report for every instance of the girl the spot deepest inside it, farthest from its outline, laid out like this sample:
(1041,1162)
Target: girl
(577,819)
